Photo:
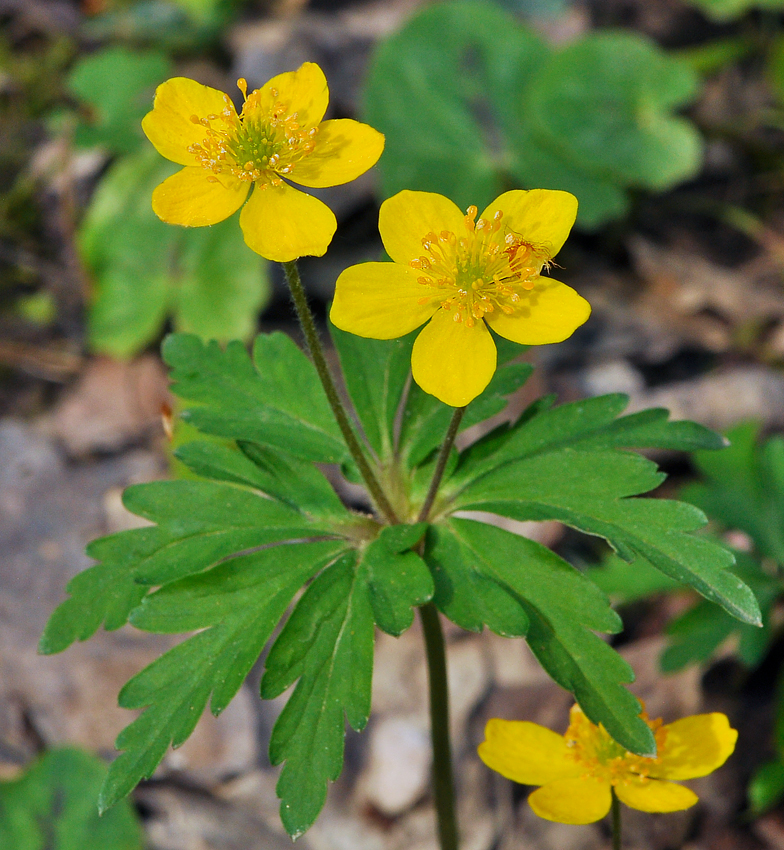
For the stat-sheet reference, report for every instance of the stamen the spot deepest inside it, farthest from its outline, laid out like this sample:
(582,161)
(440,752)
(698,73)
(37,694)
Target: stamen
(242,85)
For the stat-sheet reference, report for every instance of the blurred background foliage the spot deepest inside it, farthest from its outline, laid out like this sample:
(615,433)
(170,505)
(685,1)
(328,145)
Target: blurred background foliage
(51,806)
(473,104)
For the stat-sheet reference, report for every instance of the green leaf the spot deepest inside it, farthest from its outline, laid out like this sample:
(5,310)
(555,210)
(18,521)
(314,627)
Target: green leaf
(221,285)
(52,806)
(275,399)
(744,488)
(128,252)
(237,604)
(103,594)
(536,164)
(589,490)
(699,632)
(298,484)
(766,787)
(587,424)
(443,90)
(625,583)
(376,372)
(466,593)
(563,608)
(198,524)
(605,103)
(116,86)
(327,644)
(695,636)
(775,68)
(552,471)
(398,579)
(144,270)
(201,522)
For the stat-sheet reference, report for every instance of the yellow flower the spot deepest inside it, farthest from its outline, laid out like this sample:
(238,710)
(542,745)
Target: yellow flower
(463,275)
(578,770)
(278,136)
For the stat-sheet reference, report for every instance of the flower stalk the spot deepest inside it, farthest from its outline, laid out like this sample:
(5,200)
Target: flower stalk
(443,780)
(319,361)
(616,820)
(443,457)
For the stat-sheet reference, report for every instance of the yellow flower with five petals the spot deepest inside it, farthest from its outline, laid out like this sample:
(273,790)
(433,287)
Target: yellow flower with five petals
(278,136)
(462,275)
(577,771)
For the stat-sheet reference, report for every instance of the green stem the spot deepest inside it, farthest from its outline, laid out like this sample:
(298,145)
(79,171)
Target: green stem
(319,361)
(443,783)
(616,821)
(443,457)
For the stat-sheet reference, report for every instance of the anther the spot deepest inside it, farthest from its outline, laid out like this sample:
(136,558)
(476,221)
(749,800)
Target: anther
(242,85)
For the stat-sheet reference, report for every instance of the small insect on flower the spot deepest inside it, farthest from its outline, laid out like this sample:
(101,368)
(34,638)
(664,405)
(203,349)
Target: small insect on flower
(278,136)
(578,771)
(462,275)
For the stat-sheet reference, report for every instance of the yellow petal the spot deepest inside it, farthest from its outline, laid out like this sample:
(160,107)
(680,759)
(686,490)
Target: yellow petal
(380,301)
(550,312)
(344,150)
(526,752)
(583,800)
(282,223)
(303,91)
(169,126)
(406,218)
(655,796)
(695,746)
(541,216)
(452,361)
(190,199)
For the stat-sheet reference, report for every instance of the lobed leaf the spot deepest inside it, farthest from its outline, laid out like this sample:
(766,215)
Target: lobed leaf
(275,400)
(237,604)
(327,644)
(298,484)
(589,423)
(589,490)
(561,463)
(562,607)
(398,579)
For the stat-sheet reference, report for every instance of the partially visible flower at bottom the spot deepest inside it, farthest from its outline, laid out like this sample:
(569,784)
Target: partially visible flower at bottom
(578,771)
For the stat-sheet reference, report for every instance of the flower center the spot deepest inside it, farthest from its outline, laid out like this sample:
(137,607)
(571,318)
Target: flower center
(603,758)
(481,270)
(265,140)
